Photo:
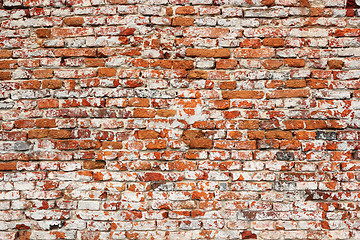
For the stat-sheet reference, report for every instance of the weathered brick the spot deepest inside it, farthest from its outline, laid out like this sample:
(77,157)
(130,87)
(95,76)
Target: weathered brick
(289,94)
(106,72)
(191,119)
(182,21)
(243,94)
(74,21)
(201,143)
(294,62)
(52,84)
(272,64)
(335,64)
(254,53)
(273,42)
(94,164)
(208,53)
(147,134)
(43,33)
(185,10)
(45,123)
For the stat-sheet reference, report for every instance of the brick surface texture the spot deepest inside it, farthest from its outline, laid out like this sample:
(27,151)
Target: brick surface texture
(179,119)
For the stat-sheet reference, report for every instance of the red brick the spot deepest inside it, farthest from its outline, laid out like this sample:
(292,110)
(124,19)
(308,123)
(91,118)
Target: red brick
(43,73)
(156,144)
(106,72)
(179,119)
(25,123)
(45,123)
(38,133)
(147,134)
(60,134)
(243,94)
(272,64)
(48,103)
(32,84)
(185,10)
(111,145)
(197,74)
(294,62)
(52,84)
(335,64)
(8,64)
(74,21)
(143,113)
(166,113)
(201,143)
(274,42)
(183,64)
(254,53)
(94,164)
(208,53)
(182,22)
(226,64)
(9,166)
(5,53)
(94,62)
(5,75)
(298,93)
(43,33)
(278,134)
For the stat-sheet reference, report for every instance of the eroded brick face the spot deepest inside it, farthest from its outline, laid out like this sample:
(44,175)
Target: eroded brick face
(179,119)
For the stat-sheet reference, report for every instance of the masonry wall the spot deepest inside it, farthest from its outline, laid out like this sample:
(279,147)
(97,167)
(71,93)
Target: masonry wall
(179,119)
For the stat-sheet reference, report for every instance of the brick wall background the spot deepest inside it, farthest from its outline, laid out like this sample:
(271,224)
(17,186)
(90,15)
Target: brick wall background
(179,119)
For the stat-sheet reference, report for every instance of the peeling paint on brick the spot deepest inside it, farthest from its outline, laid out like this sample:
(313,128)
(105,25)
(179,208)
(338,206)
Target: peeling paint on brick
(179,119)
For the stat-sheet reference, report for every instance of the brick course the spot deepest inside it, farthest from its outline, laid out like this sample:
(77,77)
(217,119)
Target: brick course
(179,119)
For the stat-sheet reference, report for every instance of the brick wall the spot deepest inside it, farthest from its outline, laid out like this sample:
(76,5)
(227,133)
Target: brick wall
(179,119)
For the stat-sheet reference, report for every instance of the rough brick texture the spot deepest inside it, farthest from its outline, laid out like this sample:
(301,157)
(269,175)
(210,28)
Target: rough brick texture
(179,119)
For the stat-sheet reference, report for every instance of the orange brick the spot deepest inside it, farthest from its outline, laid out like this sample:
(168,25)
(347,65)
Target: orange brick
(5,53)
(166,113)
(38,133)
(8,166)
(274,42)
(226,64)
(32,84)
(45,123)
(52,84)
(335,64)
(74,21)
(202,143)
(278,135)
(43,73)
(43,33)
(60,134)
(5,75)
(185,10)
(48,103)
(94,62)
(106,72)
(208,53)
(182,22)
(25,123)
(147,134)
(293,93)
(243,94)
(197,74)
(272,64)
(294,62)
(111,145)
(139,102)
(94,164)
(143,113)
